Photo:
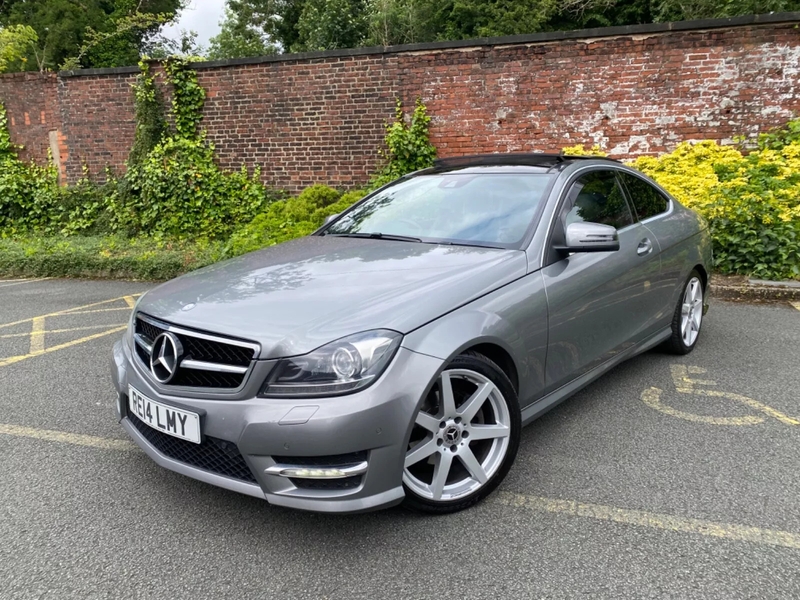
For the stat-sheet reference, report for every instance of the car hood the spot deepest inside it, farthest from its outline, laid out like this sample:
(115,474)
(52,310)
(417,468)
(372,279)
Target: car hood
(294,297)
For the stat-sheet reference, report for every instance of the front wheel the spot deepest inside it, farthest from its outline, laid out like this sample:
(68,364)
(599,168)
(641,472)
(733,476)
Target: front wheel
(465,437)
(688,317)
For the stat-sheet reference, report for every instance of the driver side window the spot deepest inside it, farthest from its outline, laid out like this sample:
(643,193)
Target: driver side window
(597,198)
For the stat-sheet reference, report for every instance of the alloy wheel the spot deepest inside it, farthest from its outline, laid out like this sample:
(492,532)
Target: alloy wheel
(460,437)
(691,311)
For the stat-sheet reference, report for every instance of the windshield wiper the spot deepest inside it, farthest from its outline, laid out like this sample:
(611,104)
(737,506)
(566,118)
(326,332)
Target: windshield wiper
(472,245)
(377,236)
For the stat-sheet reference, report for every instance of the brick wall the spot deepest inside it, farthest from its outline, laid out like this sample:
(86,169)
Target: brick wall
(98,121)
(319,117)
(31,103)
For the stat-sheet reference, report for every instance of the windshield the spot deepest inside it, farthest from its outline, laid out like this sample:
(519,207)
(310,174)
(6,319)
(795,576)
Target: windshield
(493,209)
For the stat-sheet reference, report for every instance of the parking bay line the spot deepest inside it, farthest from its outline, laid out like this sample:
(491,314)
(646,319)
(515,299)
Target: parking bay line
(4,362)
(4,283)
(727,531)
(129,300)
(63,437)
(26,334)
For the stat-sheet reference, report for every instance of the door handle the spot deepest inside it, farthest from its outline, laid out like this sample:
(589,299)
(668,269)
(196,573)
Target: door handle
(645,247)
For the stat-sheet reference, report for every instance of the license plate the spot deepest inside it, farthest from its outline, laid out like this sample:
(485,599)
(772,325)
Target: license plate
(166,419)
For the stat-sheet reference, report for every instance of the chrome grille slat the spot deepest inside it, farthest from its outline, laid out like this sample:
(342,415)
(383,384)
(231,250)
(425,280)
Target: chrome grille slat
(188,363)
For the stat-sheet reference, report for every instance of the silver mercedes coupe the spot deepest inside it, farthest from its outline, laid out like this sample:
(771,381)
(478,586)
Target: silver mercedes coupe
(395,354)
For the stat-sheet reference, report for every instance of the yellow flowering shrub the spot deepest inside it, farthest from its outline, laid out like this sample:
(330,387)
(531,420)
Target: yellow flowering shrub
(579,150)
(752,202)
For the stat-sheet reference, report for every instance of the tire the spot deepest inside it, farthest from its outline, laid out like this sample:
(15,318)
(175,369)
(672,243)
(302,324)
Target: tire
(474,439)
(690,305)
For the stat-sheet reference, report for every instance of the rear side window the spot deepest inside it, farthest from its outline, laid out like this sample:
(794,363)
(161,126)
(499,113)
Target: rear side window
(597,198)
(647,200)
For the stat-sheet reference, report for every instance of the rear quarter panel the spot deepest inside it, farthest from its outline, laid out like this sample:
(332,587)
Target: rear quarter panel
(685,243)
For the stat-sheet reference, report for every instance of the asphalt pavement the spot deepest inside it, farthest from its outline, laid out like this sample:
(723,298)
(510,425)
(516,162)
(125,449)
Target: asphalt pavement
(670,477)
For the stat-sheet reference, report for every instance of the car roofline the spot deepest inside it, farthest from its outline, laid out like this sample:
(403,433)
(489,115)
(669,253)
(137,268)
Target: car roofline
(531,159)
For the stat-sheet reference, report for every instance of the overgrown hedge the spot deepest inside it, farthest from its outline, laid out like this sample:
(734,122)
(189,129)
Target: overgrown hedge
(106,257)
(752,201)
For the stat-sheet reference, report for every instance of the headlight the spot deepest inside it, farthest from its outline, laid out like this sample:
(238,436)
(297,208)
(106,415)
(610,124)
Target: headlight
(343,366)
(132,322)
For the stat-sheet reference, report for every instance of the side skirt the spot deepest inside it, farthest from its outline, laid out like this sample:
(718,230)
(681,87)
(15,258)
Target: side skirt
(556,397)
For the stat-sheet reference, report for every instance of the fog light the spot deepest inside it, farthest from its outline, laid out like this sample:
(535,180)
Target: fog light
(318,473)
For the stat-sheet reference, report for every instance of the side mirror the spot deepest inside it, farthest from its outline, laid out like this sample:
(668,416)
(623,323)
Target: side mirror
(591,237)
(330,218)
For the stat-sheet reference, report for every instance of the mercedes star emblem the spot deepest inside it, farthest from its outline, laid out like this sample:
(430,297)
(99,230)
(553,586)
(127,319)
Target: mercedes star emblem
(165,357)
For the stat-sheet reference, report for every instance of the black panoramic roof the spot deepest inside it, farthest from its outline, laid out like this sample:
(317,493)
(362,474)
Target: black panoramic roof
(529,159)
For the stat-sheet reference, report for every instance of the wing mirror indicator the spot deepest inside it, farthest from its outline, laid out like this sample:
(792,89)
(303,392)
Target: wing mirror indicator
(590,237)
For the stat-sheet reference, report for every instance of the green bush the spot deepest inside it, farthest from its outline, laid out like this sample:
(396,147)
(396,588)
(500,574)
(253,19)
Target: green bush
(180,192)
(173,187)
(28,192)
(408,145)
(752,203)
(288,219)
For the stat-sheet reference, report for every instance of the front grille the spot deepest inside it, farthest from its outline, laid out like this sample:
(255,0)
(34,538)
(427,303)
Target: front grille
(346,483)
(216,352)
(213,455)
(203,350)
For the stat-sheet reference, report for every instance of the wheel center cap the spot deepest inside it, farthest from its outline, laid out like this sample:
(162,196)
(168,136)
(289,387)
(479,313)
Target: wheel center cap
(452,434)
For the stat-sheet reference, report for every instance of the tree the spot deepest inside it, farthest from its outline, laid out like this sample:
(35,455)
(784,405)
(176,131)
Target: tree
(331,24)
(239,39)
(161,47)
(15,43)
(401,22)
(465,19)
(576,14)
(98,33)
(257,26)
(253,27)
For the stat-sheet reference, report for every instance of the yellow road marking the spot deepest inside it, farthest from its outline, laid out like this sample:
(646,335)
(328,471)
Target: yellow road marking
(37,336)
(67,311)
(68,330)
(796,305)
(727,531)
(4,362)
(94,311)
(685,385)
(652,398)
(130,301)
(755,404)
(67,438)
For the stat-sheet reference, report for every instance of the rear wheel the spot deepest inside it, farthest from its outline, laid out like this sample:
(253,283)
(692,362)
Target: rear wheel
(688,317)
(465,437)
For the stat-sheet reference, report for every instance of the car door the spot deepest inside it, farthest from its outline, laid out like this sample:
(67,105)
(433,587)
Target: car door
(654,210)
(599,302)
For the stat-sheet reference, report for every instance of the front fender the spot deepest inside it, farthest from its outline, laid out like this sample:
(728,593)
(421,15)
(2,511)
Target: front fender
(513,318)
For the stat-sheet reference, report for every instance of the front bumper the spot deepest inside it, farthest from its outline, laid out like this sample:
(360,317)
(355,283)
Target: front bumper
(374,423)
